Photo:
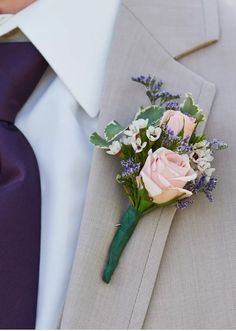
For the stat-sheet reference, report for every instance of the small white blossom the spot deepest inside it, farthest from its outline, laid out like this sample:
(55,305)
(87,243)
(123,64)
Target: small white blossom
(137,145)
(202,157)
(209,155)
(209,172)
(201,144)
(141,123)
(133,131)
(115,148)
(125,140)
(135,127)
(203,165)
(153,133)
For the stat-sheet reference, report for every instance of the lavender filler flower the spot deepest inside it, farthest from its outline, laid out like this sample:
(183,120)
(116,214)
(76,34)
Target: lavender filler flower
(184,203)
(217,144)
(199,185)
(173,105)
(130,167)
(154,90)
(184,146)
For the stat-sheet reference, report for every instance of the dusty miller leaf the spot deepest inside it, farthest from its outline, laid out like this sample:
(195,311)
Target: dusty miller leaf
(191,108)
(152,113)
(112,130)
(98,141)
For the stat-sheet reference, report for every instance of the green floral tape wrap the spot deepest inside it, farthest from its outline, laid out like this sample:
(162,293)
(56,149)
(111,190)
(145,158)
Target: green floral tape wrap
(125,230)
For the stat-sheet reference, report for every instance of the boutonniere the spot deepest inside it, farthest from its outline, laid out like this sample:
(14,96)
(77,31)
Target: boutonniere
(163,160)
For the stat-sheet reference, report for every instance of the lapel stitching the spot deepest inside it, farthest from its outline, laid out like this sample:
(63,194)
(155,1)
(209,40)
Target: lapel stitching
(144,269)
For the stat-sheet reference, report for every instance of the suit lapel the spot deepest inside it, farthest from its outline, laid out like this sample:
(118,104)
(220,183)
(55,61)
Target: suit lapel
(92,304)
(181,27)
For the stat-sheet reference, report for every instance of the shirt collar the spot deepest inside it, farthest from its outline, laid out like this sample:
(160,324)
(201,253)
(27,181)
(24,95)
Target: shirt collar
(74,39)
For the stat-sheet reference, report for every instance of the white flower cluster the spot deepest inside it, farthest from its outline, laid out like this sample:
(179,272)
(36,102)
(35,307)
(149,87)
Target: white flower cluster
(131,137)
(153,133)
(202,157)
(114,148)
(135,127)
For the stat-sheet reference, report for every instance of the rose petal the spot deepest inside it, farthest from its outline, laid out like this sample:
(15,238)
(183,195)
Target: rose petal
(171,194)
(152,188)
(176,122)
(189,126)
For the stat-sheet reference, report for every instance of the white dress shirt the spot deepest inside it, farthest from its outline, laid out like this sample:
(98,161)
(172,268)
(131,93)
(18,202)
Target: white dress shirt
(74,37)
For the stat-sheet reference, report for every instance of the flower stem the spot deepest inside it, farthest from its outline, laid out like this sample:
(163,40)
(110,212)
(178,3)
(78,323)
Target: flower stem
(125,230)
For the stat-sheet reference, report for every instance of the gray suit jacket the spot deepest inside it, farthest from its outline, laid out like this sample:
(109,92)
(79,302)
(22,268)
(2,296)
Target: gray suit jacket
(178,270)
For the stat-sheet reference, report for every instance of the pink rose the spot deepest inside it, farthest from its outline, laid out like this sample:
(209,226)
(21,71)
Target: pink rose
(177,121)
(165,173)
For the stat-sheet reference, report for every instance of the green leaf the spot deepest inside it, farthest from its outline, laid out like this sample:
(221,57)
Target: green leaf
(191,108)
(181,133)
(144,205)
(112,130)
(196,139)
(145,201)
(98,141)
(152,113)
(120,179)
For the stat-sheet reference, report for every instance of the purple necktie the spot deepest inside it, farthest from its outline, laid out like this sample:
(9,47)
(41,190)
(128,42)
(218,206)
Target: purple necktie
(21,67)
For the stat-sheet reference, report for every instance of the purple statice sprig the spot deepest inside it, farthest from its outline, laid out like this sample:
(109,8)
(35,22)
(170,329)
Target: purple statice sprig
(184,146)
(216,144)
(172,105)
(201,184)
(130,167)
(176,142)
(169,133)
(166,96)
(197,186)
(154,89)
(210,187)
(146,80)
(128,178)
(169,137)
(184,203)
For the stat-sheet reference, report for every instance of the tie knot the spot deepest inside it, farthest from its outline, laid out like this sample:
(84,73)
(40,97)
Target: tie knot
(21,67)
